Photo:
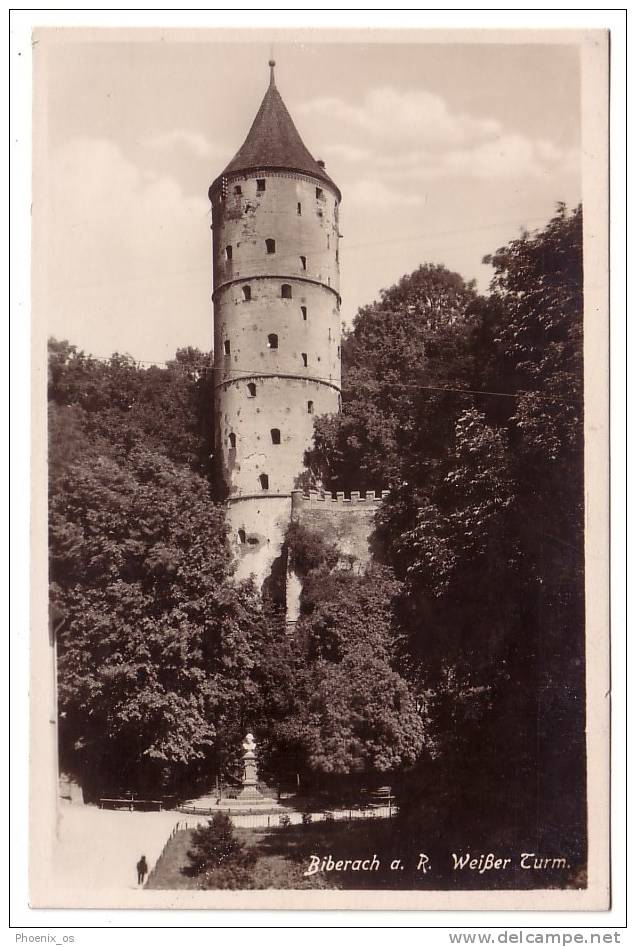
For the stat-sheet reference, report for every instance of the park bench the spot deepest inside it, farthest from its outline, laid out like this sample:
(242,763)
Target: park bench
(131,804)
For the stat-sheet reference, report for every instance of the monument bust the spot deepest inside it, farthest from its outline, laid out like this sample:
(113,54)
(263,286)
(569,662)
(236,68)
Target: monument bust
(250,744)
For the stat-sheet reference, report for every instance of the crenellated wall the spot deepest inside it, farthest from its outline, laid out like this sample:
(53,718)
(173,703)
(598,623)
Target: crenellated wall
(347,522)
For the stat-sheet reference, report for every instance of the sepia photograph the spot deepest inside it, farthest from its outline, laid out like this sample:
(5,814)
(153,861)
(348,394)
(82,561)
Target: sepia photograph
(319,362)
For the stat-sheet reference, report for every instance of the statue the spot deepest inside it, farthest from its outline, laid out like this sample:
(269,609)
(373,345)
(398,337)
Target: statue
(250,771)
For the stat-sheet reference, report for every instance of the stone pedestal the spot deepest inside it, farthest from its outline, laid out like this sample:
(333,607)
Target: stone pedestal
(249,792)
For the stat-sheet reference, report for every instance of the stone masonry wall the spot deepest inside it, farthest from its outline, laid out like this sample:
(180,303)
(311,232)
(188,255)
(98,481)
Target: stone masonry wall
(345,522)
(276,346)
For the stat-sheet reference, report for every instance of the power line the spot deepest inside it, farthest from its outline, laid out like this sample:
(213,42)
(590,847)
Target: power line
(249,372)
(156,277)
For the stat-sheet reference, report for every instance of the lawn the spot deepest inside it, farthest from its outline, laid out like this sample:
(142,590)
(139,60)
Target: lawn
(285,854)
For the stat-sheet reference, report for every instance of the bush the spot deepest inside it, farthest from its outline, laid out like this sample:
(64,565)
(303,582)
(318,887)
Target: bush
(215,846)
(308,550)
(284,821)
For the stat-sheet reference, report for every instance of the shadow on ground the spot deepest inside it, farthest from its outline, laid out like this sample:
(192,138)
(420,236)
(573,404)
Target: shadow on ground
(284,856)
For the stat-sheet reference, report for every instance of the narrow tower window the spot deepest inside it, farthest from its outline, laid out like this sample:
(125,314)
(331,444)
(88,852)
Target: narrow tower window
(310,407)
(319,193)
(299,209)
(260,185)
(226,346)
(303,309)
(271,245)
(237,189)
(232,441)
(264,479)
(303,355)
(337,256)
(241,536)
(272,341)
(338,351)
(303,262)
(251,390)
(228,253)
(247,293)
(286,291)
(275,435)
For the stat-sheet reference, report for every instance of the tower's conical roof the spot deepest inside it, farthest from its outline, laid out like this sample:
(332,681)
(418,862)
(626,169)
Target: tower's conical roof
(273,142)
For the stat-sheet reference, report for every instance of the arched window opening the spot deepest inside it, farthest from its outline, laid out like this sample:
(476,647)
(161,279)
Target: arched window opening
(330,335)
(310,407)
(303,309)
(232,441)
(319,193)
(270,244)
(337,256)
(242,537)
(286,291)
(251,390)
(253,541)
(328,242)
(237,189)
(264,479)
(303,355)
(299,209)
(272,341)
(228,253)
(247,293)
(303,262)
(260,185)
(338,351)
(275,433)
(226,346)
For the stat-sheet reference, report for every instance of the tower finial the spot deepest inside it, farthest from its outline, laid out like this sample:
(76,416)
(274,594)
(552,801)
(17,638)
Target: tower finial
(272,63)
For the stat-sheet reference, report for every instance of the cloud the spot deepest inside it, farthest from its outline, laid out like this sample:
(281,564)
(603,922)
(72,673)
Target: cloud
(126,249)
(415,116)
(506,157)
(375,193)
(393,136)
(197,144)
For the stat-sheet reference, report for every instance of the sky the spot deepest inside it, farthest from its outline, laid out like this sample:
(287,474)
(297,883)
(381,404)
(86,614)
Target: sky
(443,153)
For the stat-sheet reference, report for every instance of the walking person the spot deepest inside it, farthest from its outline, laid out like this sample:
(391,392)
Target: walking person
(142,870)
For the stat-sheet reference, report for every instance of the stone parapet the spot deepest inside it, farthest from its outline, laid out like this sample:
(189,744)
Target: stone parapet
(332,501)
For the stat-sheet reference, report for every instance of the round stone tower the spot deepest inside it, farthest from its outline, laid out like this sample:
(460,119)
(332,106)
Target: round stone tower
(276,325)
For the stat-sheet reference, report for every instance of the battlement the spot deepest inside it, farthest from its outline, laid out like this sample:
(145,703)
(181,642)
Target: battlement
(330,501)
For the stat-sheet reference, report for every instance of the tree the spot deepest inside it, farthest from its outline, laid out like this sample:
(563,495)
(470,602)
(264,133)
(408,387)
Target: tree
(155,654)
(217,855)
(483,525)
(354,719)
(125,405)
(491,553)
(401,352)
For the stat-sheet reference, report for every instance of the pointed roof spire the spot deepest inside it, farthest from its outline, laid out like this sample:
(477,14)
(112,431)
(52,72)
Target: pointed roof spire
(273,142)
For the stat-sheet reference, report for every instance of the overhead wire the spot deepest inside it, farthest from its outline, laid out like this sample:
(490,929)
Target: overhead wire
(412,238)
(244,372)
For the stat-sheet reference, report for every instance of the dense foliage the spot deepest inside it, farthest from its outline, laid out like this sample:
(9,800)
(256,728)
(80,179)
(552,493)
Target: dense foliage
(164,660)
(355,719)
(484,522)
(158,649)
(454,668)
